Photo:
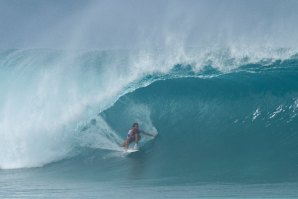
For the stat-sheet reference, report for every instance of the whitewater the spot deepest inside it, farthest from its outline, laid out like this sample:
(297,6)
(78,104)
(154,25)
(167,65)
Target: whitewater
(219,92)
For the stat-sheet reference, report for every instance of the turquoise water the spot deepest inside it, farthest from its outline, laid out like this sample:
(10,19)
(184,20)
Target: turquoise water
(223,129)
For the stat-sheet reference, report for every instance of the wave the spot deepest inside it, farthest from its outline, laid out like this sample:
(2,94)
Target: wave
(54,104)
(236,126)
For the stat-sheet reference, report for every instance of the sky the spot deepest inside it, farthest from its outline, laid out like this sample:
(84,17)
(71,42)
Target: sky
(110,24)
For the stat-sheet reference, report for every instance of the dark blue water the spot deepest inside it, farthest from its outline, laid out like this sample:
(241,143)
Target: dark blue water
(234,127)
(220,133)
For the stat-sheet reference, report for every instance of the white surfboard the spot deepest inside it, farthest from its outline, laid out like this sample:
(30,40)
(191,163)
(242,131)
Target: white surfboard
(130,150)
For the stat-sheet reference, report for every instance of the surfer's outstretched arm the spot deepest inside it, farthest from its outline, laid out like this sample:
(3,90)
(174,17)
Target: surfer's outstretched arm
(149,134)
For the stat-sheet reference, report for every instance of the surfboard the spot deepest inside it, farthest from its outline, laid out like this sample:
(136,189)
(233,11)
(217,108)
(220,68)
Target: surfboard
(130,150)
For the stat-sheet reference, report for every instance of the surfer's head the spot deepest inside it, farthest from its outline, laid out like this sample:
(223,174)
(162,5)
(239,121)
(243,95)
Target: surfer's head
(135,125)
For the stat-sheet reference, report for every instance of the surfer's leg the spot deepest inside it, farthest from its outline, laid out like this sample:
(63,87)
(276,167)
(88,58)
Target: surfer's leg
(137,138)
(126,143)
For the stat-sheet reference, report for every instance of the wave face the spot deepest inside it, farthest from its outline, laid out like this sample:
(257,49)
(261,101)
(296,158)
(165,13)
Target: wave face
(237,126)
(217,117)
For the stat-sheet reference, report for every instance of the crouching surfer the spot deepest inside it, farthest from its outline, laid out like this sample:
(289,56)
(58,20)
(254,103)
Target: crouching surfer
(134,135)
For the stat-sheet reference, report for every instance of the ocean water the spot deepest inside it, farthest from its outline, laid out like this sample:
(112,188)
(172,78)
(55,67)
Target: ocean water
(226,124)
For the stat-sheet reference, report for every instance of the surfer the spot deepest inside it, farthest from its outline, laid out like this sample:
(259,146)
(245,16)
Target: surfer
(134,135)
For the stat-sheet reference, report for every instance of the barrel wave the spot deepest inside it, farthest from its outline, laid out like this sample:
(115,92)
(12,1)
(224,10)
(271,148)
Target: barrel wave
(240,126)
(231,119)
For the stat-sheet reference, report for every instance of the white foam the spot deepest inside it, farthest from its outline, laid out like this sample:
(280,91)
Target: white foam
(278,110)
(43,105)
(256,114)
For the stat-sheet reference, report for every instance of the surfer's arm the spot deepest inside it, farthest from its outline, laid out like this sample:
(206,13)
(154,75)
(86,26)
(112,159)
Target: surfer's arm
(149,134)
